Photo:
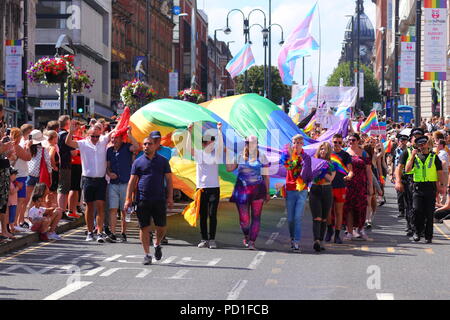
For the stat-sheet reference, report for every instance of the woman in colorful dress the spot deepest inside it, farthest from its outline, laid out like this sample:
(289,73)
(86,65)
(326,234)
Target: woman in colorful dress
(358,189)
(321,195)
(298,175)
(251,189)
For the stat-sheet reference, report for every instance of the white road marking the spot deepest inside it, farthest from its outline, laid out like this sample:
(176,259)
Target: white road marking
(282,222)
(385,296)
(234,293)
(112,258)
(180,274)
(272,238)
(68,290)
(169,260)
(256,260)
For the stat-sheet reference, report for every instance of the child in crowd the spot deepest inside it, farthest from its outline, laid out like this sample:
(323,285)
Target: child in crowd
(14,187)
(44,220)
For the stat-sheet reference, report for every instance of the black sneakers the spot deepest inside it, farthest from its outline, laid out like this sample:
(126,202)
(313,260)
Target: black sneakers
(124,237)
(158,252)
(147,260)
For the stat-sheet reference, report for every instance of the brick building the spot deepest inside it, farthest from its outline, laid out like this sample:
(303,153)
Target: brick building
(141,30)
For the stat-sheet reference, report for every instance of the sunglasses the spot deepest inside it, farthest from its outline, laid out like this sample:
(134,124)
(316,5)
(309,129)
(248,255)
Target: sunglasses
(352,140)
(96,137)
(337,142)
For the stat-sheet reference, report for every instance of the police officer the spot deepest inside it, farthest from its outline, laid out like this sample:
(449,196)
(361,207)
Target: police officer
(404,180)
(427,179)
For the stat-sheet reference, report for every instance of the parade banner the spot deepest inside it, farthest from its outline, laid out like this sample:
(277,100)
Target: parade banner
(435,40)
(334,97)
(408,65)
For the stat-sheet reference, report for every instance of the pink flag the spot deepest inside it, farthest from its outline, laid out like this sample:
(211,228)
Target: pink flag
(241,62)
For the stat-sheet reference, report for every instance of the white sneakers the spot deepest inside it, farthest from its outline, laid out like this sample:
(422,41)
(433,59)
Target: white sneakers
(207,244)
(53,236)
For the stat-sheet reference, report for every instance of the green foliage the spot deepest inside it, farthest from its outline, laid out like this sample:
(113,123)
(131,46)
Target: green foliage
(255,76)
(371,90)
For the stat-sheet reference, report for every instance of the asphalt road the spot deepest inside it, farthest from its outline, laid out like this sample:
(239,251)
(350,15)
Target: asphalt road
(388,266)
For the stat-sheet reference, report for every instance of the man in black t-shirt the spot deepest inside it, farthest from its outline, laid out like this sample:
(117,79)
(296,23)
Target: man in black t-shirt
(65,162)
(339,190)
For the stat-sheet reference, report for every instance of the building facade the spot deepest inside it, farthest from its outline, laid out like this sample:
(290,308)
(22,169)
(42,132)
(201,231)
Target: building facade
(88,24)
(12,18)
(141,30)
(220,83)
(407,21)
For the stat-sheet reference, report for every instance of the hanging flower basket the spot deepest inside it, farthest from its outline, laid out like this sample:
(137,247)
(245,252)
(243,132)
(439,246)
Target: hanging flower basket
(50,77)
(81,81)
(136,93)
(191,95)
(49,70)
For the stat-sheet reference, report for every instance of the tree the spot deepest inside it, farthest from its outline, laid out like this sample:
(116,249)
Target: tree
(255,77)
(371,90)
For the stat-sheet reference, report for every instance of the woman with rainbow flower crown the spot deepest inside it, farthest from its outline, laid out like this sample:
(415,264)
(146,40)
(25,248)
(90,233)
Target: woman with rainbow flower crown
(299,174)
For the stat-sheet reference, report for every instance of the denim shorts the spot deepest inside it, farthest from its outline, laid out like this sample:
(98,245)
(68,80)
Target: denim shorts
(116,195)
(32,181)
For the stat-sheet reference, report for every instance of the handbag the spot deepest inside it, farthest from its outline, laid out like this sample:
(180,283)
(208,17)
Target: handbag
(44,176)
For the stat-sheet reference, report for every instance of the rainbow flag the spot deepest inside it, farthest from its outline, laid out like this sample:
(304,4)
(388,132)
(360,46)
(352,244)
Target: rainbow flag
(370,122)
(388,146)
(435,4)
(13,42)
(338,164)
(310,125)
(299,44)
(243,60)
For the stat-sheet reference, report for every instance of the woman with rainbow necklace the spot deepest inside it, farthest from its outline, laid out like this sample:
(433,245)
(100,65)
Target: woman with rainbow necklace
(299,174)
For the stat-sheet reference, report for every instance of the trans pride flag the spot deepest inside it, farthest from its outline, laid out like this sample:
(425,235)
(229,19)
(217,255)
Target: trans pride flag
(241,62)
(299,44)
(305,95)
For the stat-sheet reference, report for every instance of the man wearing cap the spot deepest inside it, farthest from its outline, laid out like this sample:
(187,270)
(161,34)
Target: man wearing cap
(403,180)
(427,179)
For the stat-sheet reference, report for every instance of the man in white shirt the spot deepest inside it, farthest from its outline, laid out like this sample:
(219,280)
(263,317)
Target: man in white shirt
(93,162)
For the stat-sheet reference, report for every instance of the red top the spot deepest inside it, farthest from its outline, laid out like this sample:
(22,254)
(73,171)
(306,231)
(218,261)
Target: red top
(77,159)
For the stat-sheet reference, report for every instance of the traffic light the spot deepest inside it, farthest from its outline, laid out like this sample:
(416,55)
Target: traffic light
(80,106)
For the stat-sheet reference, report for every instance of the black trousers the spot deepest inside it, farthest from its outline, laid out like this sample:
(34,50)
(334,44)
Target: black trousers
(320,202)
(424,200)
(405,200)
(209,202)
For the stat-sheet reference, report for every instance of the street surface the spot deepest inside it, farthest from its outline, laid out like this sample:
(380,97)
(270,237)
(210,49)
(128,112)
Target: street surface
(388,266)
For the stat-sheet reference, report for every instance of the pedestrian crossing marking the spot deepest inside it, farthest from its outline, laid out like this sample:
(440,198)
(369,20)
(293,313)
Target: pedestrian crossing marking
(364,248)
(429,251)
(281,261)
(390,250)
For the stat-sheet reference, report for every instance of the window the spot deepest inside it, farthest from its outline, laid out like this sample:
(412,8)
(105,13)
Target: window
(52,14)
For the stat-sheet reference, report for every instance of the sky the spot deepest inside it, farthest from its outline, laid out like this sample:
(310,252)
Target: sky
(287,13)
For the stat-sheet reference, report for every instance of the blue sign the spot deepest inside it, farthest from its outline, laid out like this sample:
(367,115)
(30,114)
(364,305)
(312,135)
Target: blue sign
(405,114)
(176,10)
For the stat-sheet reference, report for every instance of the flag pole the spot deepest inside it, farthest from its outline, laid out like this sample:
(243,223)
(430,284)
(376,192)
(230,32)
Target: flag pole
(320,56)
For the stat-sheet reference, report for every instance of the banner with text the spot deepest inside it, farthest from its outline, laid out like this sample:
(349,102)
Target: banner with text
(435,40)
(408,65)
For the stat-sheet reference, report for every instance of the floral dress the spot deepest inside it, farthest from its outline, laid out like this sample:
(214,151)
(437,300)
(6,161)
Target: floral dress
(356,197)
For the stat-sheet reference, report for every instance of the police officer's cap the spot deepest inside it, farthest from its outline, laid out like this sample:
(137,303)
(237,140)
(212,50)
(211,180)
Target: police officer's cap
(415,131)
(422,140)
(402,137)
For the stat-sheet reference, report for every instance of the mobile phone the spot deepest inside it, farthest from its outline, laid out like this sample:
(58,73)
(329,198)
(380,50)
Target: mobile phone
(6,139)
(8,131)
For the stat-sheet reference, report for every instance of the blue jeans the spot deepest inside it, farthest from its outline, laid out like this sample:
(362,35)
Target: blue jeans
(295,204)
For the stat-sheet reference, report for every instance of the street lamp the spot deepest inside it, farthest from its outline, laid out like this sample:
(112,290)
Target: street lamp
(215,61)
(59,46)
(383,62)
(227,31)
(265,33)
